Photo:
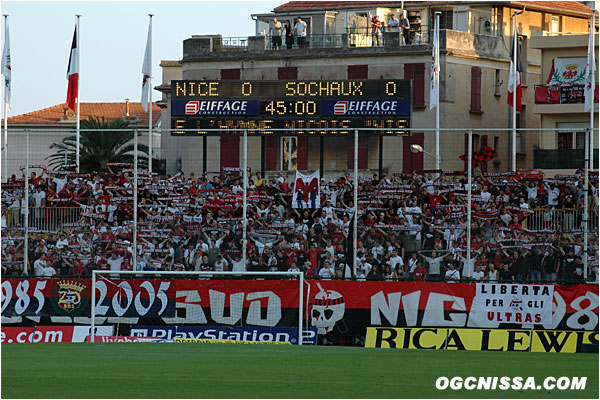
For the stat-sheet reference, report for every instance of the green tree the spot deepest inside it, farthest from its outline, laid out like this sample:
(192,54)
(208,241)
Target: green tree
(101,142)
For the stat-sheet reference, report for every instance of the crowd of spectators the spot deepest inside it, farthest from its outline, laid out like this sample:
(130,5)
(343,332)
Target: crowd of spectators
(410,226)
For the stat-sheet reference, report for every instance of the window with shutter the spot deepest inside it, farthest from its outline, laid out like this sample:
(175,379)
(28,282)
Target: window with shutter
(230,74)
(285,73)
(475,90)
(416,72)
(358,72)
(412,161)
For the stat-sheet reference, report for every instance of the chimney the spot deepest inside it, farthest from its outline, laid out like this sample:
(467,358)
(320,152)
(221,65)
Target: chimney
(127,108)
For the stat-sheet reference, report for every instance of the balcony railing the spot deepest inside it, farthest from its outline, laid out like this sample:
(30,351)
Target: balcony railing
(560,158)
(573,94)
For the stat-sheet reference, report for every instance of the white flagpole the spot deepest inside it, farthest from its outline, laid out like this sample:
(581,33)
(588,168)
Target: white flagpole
(5,143)
(26,238)
(135,202)
(585,205)
(78,97)
(245,203)
(5,117)
(437,89)
(354,236)
(593,50)
(470,189)
(514,94)
(150,103)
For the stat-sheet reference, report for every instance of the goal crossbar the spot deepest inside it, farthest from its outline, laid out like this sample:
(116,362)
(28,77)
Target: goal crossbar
(299,274)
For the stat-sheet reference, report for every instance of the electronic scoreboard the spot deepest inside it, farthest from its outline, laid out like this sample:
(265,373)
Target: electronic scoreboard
(261,106)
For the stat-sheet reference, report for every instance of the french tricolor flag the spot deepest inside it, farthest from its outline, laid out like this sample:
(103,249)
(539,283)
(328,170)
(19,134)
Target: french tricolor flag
(514,76)
(73,74)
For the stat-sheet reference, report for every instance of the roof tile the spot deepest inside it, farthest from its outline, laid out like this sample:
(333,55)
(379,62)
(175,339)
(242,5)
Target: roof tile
(60,114)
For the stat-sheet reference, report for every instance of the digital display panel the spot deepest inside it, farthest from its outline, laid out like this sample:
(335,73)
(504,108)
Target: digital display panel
(296,127)
(319,105)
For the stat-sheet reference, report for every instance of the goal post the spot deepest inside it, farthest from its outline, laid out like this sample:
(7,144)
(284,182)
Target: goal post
(262,276)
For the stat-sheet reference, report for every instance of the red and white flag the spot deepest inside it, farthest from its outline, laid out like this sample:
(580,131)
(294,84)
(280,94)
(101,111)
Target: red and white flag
(146,71)
(514,76)
(590,69)
(6,68)
(73,74)
(434,88)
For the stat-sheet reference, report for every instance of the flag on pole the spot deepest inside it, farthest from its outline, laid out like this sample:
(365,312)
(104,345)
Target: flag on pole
(6,69)
(590,69)
(434,89)
(146,71)
(514,76)
(73,74)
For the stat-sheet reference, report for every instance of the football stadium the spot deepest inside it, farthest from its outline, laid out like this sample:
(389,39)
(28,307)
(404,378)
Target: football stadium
(391,199)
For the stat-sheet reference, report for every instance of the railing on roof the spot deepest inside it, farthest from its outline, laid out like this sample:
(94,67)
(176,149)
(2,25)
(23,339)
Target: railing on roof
(354,37)
(230,44)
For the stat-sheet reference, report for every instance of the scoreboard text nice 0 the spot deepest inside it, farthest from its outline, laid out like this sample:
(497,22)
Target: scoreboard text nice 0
(297,107)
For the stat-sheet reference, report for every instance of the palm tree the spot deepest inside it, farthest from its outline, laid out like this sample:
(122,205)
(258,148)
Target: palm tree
(101,142)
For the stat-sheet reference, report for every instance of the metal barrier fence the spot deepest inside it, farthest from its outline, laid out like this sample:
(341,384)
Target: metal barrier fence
(560,220)
(43,218)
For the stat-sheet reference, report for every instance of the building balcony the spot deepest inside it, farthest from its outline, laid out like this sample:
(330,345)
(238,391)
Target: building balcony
(356,42)
(554,99)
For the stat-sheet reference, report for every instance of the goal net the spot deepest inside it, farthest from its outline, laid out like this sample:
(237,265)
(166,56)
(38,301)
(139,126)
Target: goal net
(199,306)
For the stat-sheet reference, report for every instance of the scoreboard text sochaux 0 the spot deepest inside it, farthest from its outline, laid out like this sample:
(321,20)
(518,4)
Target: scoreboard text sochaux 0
(259,106)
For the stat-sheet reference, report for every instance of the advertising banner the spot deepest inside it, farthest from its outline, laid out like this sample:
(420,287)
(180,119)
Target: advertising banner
(122,339)
(307,191)
(511,303)
(50,334)
(71,297)
(337,308)
(238,333)
(214,107)
(539,341)
(365,107)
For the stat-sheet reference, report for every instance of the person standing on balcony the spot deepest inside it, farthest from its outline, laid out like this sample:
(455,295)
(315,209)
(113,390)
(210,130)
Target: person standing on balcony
(275,31)
(405,26)
(300,30)
(289,35)
(376,31)
(394,24)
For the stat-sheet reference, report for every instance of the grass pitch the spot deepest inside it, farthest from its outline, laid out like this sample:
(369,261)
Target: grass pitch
(193,370)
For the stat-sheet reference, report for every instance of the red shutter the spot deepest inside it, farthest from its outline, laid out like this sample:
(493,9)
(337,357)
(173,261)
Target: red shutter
(412,161)
(363,152)
(230,151)
(358,72)
(484,143)
(302,153)
(271,152)
(475,89)
(285,73)
(230,145)
(416,72)
(230,74)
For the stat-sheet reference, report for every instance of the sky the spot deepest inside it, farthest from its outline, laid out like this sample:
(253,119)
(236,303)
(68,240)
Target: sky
(112,43)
